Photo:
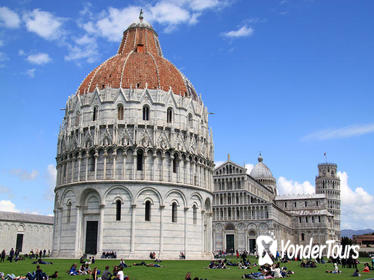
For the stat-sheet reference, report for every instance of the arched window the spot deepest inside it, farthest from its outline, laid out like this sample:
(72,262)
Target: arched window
(118,210)
(190,121)
(169,117)
(77,119)
(120,112)
(139,160)
(92,161)
(194,212)
(302,237)
(147,210)
(94,115)
(145,113)
(68,214)
(174,212)
(306,203)
(175,163)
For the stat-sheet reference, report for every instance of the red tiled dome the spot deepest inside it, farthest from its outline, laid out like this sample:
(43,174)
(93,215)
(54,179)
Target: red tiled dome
(138,64)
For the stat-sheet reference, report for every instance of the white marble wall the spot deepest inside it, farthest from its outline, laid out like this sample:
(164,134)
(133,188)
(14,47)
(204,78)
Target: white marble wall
(35,236)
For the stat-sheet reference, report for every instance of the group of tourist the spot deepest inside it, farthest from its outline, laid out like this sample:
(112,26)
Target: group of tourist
(268,272)
(109,255)
(38,274)
(14,255)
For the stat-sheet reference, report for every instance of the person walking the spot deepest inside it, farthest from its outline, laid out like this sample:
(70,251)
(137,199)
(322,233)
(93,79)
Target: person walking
(11,255)
(2,256)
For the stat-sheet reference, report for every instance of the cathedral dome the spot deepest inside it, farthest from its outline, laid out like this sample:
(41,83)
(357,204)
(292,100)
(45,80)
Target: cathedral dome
(261,171)
(139,63)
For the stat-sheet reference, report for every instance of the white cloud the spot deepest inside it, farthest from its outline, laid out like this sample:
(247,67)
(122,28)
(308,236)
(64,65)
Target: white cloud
(39,58)
(8,18)
(45,24)
(7,205)
(357,205)
(345,132)
(51,179)
(199,5)
(249,167)
(31,72)
(218,163)
(84,47)
(111,23)
(286,186)
(243,31)
(24,175)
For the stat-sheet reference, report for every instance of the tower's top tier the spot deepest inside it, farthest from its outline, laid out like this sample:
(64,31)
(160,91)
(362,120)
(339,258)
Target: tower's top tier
(139,63)
(327,170)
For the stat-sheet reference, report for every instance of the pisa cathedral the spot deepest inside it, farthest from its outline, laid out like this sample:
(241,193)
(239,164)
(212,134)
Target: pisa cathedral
(135,170)
(247,205)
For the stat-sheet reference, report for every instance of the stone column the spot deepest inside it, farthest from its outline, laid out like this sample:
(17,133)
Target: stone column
(162,207)
(79,166)
(101,223)
(87,158)
(96,156)
(72,163)
(185,231)
(124,154)
(143,173)
(202,230)
(133,212)
(59,213)
(105,159)
(134,166)
(162,166)
(78,227)
(153,175)
(114,164)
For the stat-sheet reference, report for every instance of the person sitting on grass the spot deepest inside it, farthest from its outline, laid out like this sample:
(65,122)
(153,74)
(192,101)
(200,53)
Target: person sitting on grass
(182,256)
(73,270)
(366,268)
(356,273)
(82,260)
(40,261)
(276,271)
(153,265)
(54,275)
(106,274)
(115,271)
(122,264)
(335,271)
(121,276)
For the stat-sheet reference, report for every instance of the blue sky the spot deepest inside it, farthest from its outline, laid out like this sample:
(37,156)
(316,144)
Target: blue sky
(292,79)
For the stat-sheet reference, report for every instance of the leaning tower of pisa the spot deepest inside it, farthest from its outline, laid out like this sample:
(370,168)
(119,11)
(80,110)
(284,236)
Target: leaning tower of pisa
(328,183)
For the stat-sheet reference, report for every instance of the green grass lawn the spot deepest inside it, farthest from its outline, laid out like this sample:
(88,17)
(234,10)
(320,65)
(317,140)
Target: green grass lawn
(174,270)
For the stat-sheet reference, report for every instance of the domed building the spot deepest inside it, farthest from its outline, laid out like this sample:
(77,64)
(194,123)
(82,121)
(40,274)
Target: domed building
(135,159)
(261,173)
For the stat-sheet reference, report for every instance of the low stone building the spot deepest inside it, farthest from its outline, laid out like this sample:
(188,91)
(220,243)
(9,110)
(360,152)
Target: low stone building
(25,232)
(364,240)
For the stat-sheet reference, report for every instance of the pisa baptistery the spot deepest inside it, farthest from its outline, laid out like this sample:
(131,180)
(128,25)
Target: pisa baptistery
(134,159)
